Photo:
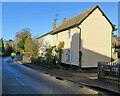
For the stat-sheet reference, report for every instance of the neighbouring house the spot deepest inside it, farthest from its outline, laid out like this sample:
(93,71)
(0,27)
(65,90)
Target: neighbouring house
(44,42)
(115,47)
(114,52)
(87,38)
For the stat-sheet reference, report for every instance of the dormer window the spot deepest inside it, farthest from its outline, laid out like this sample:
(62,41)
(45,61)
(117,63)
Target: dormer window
(69,33)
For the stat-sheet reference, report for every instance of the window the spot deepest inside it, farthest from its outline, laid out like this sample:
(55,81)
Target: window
(57,36)
(69,34)
(67,56)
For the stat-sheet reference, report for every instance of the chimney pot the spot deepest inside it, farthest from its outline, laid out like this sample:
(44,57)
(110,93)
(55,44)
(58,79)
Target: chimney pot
(54,24)
(64,20)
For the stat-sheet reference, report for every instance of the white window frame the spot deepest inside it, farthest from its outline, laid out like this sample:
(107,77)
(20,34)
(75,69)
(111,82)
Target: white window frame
(65,55)
(56,37)
(70,55)
(69,33)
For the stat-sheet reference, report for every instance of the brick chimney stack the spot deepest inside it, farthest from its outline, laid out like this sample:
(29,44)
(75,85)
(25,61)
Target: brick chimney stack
(64,20)
(54,25)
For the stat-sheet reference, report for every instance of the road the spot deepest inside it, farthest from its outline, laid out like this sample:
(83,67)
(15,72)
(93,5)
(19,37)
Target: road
(19,79)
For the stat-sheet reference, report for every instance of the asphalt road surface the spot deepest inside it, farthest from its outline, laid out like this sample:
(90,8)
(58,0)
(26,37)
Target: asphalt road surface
(19,79)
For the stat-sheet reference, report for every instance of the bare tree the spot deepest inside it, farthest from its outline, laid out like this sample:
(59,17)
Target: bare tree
(21,38)
(21,34)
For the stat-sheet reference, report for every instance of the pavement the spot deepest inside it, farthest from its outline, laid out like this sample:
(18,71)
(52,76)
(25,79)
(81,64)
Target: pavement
(82,78)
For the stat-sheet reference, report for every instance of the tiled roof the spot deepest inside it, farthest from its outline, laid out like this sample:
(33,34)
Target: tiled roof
(44,35)
(77,20)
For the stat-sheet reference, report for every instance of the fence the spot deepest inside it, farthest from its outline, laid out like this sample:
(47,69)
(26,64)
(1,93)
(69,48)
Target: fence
(109,71)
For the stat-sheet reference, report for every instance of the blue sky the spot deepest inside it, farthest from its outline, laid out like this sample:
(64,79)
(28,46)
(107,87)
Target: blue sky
(39,16)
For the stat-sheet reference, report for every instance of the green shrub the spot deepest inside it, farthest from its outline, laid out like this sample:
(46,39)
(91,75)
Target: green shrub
(6,53)
(22,54)
(26,54)
(49,60)
(45,62)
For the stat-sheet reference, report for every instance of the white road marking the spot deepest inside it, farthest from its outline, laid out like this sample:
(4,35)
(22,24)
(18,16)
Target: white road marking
(20,81)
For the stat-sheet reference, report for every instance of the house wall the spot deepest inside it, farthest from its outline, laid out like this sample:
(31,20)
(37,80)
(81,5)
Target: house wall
(71,46)
(44,42)
(95,40)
